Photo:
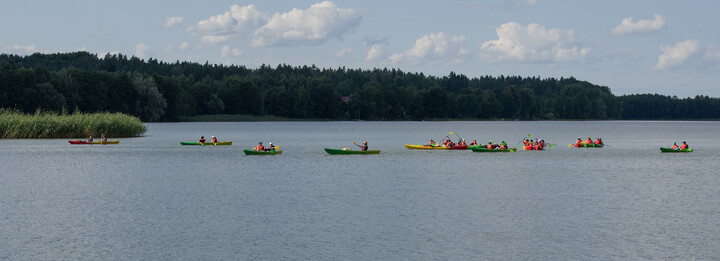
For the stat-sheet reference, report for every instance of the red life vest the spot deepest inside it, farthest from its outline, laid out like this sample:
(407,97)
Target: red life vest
(260,148)
(214,140)
(490,146)
(202,140)
(683,146)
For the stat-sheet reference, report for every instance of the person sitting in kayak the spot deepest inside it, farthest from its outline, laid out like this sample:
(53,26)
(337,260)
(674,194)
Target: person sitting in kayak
(202,140)
(90,139)
(503,145)
(674,146)
(473,143)
(598,141)
(684,146)
(260,147)
(214,140)
(102,138)
(589,141)
(541,144)
(363,147)
(578,143)
(432,143)
(271,146)
(490,145)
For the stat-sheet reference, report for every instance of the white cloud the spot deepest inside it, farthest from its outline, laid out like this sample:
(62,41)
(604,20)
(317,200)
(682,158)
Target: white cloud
(678,55)
(173,21)
(102,32)
(172,47)
(227,51)
(343,52)
(527,3)
(533,43)
(20,49)
(433,46)
(628,27)
(238,22)
(377,51)
(315,25)
(142,50)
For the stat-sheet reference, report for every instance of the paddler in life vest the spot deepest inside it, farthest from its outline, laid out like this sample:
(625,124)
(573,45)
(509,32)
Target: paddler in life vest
(684,146)
(503,145)
(674,146)
(541,144)
(214,140)
(202,140)
(473,143)
(589,141)
(598,141)
(90,139)
(578,143)
(432,143)
(271,147)
(490,145)
(363,147)
(260,147)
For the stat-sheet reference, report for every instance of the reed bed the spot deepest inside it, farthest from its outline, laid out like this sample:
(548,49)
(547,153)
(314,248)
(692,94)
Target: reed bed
(17,125)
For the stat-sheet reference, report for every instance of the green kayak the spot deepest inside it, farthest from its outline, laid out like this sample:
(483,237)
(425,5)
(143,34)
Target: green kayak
(672,150)
(349,152)
(268,152)
(593,145)
(207,143)
(493,150)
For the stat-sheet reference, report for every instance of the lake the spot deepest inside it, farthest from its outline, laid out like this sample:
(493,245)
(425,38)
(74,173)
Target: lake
(149,198)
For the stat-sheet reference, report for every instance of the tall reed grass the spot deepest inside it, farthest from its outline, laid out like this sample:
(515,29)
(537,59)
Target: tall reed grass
(17,125)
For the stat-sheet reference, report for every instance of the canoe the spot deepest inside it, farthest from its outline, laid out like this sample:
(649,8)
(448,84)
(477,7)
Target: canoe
(426,147)
(94,142)
(493,150)
(672,150)
(350,152)
(269,152)
(207,143)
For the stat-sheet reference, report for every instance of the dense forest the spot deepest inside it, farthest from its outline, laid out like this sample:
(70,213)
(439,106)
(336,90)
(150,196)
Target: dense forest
(158,91)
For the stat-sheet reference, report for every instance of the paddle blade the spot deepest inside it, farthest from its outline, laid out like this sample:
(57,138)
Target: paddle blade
(530,135)
(450,133)
(569,145)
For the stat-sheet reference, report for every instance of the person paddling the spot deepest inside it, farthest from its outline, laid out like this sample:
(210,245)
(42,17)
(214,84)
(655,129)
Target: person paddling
(214,140)
(202,140)
(103,138)
(684,146)
(90,139)
(589,141)
(578,143)
(674,146)
(363,147)
(271,147)
(260,147)
(473,143)
(503,145)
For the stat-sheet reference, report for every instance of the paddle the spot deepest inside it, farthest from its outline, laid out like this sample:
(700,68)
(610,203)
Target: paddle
(455,134)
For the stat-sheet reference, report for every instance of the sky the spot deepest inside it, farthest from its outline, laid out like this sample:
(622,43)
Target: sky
(632,46)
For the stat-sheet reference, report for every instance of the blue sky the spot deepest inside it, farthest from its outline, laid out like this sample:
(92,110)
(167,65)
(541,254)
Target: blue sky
(635,46)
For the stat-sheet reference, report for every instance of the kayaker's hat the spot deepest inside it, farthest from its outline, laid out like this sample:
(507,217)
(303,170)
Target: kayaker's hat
(364,142)
(260,142)
(213,136)
(271,143)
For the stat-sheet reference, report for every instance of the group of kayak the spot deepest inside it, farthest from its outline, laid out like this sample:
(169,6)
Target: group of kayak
(445,144)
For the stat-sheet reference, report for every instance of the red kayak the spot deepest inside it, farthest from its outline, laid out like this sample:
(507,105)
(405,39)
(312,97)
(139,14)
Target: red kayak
(458,147)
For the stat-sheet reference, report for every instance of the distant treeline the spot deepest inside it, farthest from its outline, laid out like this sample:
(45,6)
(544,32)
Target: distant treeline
(158,91)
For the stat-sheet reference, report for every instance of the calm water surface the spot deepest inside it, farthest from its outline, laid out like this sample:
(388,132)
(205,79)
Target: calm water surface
(150,198)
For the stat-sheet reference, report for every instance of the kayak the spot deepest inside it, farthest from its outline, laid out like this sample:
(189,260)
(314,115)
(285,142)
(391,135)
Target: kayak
(678,150)
(267,152)
(428,147)
(94,142)
(532,148)
(588,145)
(493,150)
(350,152)
(207,143)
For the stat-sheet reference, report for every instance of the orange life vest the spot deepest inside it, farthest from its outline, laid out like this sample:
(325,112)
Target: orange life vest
(684,146)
